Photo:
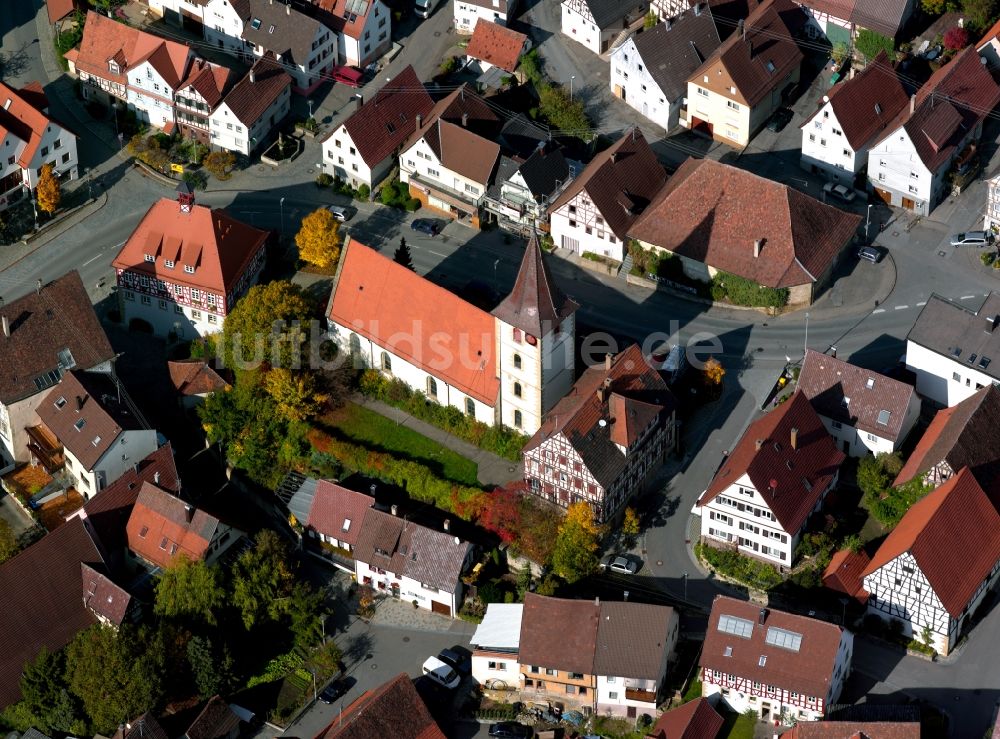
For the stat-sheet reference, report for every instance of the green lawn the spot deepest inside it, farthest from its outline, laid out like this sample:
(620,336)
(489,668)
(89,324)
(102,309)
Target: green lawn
(362,426)
(738,725)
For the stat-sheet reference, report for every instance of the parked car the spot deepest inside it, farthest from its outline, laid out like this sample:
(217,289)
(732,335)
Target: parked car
(841,192)
(511,730)
(618,563)
(779,119)
(350,76)
(441,673)
(458,658)
(427,226)
(335,690)
(972,238)
(870,254)
(339,213)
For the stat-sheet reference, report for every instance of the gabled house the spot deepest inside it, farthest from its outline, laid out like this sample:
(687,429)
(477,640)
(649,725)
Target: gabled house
(255,107)
(218,21)
(110,603)
(30,139)
(845,572)
(954,351)
(960,436)
(522,190)
(44,334)
(696,719)
(594,214)
(495,645)
(162,527)
(99,429)
(364,148)
(778,474)
(394,709)
(330,513)
(650,70)
(363,29)
(494,46)
(468,13)
(198,96)
(305,47)
(43,601)
(412,562)
(792,241)
(215,721)
(850,117)
(448,165)
(908,164)
(784,667)
(598,24)
(185,266)
(854,730)
(523,363)
(865,412)
(938,564)
(611,657)
(194,380)
(604,439)
(733,93)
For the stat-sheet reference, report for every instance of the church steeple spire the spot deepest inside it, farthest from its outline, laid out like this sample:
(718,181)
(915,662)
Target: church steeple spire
(535,305)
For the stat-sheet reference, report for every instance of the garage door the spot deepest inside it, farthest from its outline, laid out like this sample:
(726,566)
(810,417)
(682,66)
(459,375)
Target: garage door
(701,126)
(884,195)
(443,608)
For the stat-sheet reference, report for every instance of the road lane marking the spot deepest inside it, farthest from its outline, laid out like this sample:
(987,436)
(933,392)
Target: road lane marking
(879,310)
(90,260)
(431,251)
(923,303)
(901,307)
(967,297)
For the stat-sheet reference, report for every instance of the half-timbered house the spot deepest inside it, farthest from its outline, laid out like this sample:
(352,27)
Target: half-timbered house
(603,440)
(938,564)
(783,667)
(777,476)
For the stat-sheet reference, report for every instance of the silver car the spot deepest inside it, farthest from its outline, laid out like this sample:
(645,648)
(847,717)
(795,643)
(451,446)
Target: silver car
(972,238)
(338,213)
(839,191)
(622,566)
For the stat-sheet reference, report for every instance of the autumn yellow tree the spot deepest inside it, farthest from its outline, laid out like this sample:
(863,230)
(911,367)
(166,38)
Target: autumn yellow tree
(714,372)
(319,239)
(630,523)
(295,393)
(48,192)
(575,554)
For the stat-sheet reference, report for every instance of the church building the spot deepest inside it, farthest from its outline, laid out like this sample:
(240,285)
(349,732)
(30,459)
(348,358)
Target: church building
(508,366)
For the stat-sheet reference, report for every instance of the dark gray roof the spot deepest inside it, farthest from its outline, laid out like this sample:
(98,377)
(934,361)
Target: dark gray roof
(607,12)
(301,500)
(674,49)
(544,171)
(520,136)
(632,640)
(958,333)
(282,29)
(885,16)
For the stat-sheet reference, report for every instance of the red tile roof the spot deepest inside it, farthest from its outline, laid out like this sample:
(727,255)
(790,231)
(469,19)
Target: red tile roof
(211,81)
(867,103)
(714,213)
(42,603)
(253,95)
(162,526)
(953,533)
(102,596)
(216,721)
(829,382)
(496,45)
(790,481)
(194,377)
(808,670)
(854,730)
(535,304)
(338,512)
(844,573)
(105,39)
(219,247)
(694,720)
(759,59)
(393,710)
(44,324)
(622,180)
(433,328)
(337,17)
(559,633)
(380,126)
(59,9)
(22,114)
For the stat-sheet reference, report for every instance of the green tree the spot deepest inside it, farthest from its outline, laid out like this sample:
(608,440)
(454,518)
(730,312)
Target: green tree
(189,589)
(979,13)
(870,43)
(403,255)
(45,698)
(262,580)
(562,112)
(8,542)
(306,615)
(576,549)
(212,672)
(872,477)
(318,239)
(295,393)
(269,324)
(113,674)
(220,164)
(937,7)
(650,20)
(530,66)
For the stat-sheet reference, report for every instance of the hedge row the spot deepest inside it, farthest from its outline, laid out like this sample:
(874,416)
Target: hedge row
(730,563)
(741,291)
(500,440)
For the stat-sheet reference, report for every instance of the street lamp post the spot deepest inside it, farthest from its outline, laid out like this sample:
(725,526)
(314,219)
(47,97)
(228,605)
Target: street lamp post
(571,78)
(281,223)
(868,220)
(805,344)
(496,284)
(685,586)
(310,108)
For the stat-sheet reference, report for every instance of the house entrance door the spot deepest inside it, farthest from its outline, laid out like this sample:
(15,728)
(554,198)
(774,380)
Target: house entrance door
(765,711)
(908,203)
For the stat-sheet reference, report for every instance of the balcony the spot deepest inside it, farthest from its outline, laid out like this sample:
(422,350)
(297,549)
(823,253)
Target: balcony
(461,201)
(640,696)
(45,447)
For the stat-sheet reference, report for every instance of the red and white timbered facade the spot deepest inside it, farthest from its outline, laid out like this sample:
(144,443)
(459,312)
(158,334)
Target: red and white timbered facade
(579,226)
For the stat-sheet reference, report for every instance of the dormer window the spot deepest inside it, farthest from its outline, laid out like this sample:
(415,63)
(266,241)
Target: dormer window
(189,268)
(149,257)
(113,67)
(168,263)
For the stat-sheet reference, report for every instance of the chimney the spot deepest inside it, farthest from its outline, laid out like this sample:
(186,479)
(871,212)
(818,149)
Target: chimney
(465,120)
(795,438)
(757,244)
(833,352)
(420,121)
(759,444)
(394,510)
(288,9)
(992,321)
(607,361)
(762,617)
(361,100)
(6,327)
(188,513)
(668,24)
(913,103)
(697,9)
(38,286)
(156,477)
(446,525)
(741,29)
(597,602)
(253,76)
(80,400)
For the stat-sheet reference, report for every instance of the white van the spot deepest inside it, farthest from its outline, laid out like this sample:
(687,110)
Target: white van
(424,8)
(441,673)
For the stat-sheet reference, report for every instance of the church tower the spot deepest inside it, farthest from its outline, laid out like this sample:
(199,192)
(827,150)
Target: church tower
(535,335)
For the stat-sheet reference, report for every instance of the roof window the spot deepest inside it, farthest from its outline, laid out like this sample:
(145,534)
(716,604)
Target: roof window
(271,28)
(871,383)
(143,531)
(972,358)
(255,24)
(770,67)
(80,424)
(956,352)
(883,417)
(984,362)
(60,403)
(96,441)
(762,661)
(163,543)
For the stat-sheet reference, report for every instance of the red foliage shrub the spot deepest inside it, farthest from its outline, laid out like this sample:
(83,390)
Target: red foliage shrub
(956,38)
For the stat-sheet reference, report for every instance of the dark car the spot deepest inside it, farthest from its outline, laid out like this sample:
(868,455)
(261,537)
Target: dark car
(458,658)
(511,730)
(427,226)
(869,254)
(781,118)
(335,690)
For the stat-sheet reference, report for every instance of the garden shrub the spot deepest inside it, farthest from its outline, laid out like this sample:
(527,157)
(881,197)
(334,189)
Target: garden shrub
(730,563)
(741,291)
